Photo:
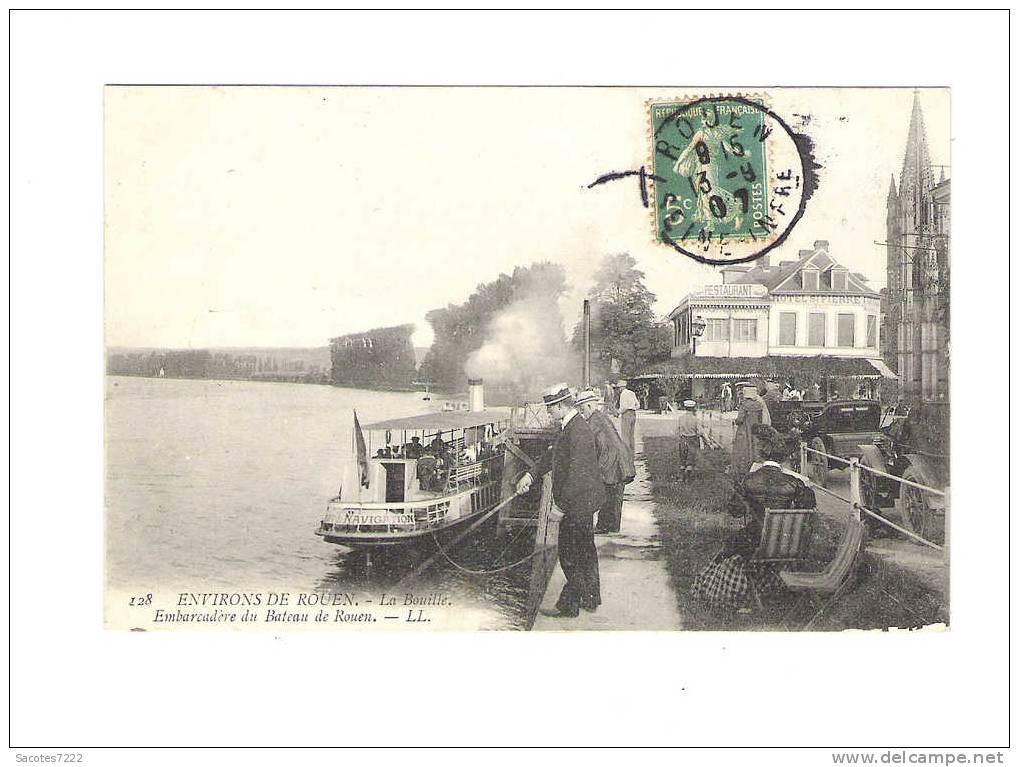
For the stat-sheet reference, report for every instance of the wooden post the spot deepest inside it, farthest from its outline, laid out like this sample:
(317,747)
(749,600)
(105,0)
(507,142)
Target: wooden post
(855,490)
(803,457)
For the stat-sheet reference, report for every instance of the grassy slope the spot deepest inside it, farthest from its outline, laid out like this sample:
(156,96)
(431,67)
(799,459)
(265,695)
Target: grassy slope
(693,521)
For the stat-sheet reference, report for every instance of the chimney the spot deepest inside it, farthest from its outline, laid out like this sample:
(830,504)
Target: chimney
(476,394)
(586,376)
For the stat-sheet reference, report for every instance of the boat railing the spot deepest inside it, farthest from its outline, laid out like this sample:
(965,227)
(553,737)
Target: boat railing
(476,472)
(531,415)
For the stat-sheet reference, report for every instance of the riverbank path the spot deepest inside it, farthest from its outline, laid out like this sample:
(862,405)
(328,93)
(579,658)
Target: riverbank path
(634,583)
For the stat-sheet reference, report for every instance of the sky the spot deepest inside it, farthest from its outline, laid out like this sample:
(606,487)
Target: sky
(284,216)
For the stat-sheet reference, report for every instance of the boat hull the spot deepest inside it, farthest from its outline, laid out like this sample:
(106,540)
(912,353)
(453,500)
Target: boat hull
(389,525)
(398,540)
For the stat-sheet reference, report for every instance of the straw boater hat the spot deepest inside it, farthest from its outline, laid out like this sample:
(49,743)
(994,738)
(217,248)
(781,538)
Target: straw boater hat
(620,384)
(689,403)
(555,394)
(586,396)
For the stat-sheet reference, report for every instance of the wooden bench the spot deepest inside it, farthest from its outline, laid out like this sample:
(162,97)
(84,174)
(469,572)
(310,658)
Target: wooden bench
(464,474)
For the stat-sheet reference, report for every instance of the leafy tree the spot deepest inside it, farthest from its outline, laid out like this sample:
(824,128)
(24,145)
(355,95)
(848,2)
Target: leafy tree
(623,326)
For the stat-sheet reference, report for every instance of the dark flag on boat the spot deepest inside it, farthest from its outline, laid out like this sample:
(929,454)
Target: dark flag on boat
(362,451)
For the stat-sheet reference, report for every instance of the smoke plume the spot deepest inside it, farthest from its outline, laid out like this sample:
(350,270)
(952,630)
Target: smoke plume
(525,350)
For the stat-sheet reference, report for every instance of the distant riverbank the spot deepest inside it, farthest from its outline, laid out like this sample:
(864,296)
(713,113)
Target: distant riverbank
(262,377)
(298,378)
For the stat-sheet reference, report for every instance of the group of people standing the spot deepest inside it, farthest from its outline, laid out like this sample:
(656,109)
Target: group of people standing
(730,397)
(591,463)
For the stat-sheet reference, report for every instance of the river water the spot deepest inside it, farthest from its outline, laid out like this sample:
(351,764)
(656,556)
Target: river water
(220,486)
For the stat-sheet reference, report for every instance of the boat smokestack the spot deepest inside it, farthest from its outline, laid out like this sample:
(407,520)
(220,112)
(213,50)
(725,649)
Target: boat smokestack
(587,344)
(476,394)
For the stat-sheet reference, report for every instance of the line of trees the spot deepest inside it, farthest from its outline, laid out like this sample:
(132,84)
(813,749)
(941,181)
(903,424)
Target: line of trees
(377,357)
(513,317)
(204,363)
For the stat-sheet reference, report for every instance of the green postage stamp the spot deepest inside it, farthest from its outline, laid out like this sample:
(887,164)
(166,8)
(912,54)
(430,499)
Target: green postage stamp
(729,177)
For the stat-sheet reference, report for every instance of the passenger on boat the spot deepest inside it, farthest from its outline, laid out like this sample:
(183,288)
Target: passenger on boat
(413,449)
(427,468)
(437,446)
(380,453)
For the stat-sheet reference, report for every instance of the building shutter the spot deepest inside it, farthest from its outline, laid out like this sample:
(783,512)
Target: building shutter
(847,331)
(787,329)
(815,329)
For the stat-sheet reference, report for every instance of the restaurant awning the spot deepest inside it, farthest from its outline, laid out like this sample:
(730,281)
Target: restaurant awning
(772,367)
(883,369)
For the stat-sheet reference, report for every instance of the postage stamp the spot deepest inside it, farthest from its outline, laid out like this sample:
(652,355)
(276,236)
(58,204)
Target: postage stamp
(730,177)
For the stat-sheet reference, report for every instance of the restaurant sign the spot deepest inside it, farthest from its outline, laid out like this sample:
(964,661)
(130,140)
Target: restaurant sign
(740,290)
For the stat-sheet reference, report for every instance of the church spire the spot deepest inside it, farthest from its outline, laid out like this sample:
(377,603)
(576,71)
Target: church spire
(892,194)
(917,176)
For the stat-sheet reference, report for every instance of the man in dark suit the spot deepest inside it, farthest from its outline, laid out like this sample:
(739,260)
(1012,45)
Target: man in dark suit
(615,462)
(578,492)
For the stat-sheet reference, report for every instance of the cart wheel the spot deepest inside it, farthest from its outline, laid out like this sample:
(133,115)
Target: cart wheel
(817,465)
(869,487)
(871,498)
(917,513)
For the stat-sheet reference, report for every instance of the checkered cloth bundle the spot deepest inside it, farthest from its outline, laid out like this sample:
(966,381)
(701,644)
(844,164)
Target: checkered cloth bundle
(727,581)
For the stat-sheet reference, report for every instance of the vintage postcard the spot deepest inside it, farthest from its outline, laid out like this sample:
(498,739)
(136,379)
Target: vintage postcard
(552,359)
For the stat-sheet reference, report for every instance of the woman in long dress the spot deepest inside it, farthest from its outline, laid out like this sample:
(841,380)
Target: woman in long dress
(751,413)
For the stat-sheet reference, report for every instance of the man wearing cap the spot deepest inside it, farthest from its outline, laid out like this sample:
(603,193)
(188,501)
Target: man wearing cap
(628,405)
(578,492)
(615,462)
(689,440)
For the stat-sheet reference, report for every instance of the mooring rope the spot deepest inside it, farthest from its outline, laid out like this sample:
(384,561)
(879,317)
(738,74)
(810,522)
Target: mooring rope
(494,570)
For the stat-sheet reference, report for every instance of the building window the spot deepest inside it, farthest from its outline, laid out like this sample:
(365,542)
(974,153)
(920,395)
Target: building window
(809,278)
(815,329)
(716,330)
(871,331)
(847,330)
(839,279)
(787,328)
(744,330)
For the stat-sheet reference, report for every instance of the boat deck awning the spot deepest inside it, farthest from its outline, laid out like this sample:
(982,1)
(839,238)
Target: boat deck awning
(442,421)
